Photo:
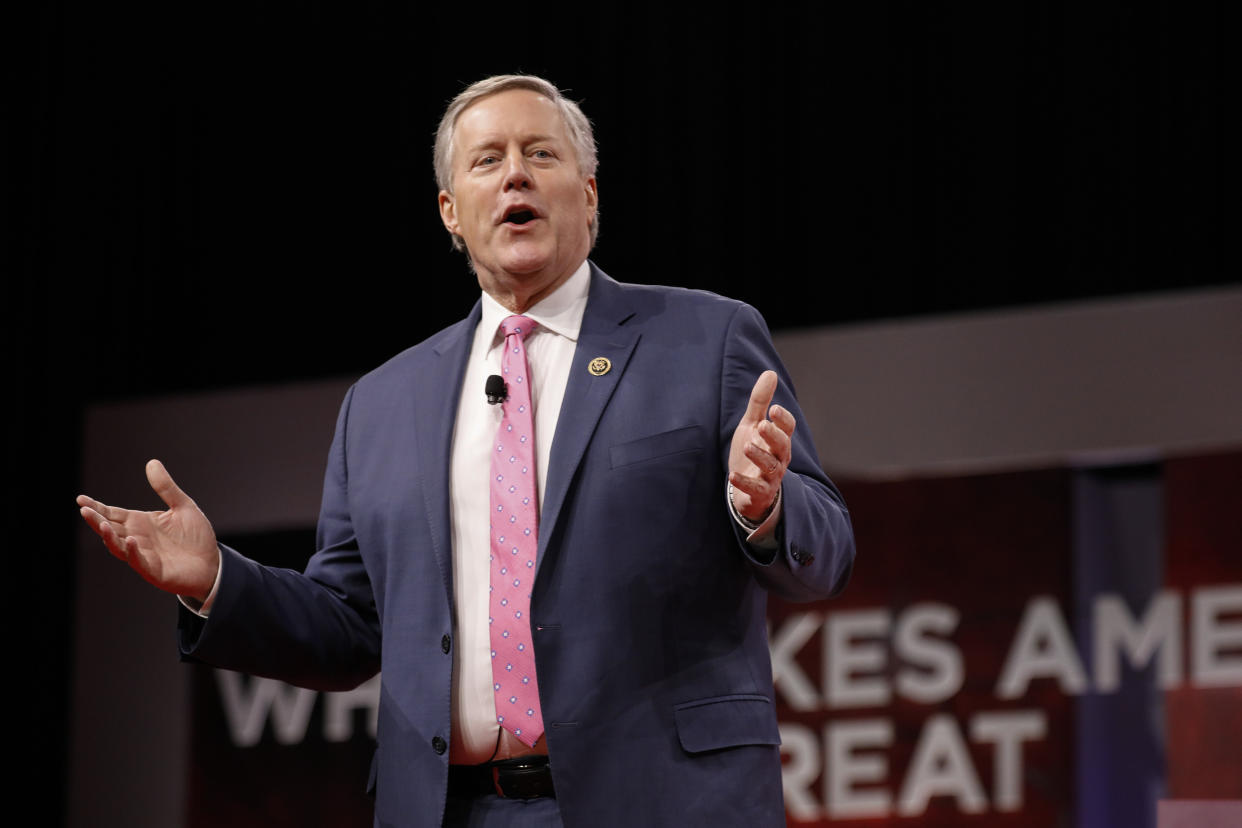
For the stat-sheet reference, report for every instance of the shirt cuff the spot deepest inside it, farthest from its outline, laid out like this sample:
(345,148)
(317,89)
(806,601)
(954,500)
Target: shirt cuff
(762,536)
(204,609)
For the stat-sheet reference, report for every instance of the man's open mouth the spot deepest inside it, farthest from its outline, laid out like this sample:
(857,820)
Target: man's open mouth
(520,217)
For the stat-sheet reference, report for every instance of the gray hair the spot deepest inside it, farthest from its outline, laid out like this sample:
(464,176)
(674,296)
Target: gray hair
(576,124)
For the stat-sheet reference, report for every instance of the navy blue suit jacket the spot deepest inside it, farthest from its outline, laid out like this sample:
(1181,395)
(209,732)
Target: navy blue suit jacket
(648,606)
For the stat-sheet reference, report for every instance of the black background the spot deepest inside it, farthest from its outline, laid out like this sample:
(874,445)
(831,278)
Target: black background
(214,195)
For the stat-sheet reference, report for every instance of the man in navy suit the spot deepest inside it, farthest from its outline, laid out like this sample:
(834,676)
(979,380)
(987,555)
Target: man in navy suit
(673,490)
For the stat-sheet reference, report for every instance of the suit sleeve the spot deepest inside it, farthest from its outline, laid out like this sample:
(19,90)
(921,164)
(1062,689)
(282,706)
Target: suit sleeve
(317,629)
(815,552)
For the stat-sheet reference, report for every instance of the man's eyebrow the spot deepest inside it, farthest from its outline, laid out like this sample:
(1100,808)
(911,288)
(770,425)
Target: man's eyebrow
(493,141)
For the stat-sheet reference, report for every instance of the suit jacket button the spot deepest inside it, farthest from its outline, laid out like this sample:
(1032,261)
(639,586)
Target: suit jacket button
(438,745)
(446,643)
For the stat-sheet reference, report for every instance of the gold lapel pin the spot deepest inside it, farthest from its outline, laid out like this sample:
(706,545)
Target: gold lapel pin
(599,366)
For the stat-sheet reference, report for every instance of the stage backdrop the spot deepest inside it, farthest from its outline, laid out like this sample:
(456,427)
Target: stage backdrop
(1063,638)
(1051,647)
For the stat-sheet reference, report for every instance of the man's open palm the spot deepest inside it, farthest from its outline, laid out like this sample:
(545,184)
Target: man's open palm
(175,549)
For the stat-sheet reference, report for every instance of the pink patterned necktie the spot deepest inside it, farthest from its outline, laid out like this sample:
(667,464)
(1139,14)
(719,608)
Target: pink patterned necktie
(514,539)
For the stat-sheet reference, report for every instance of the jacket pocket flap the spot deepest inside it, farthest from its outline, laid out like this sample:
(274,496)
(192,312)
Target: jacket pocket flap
(726,721)
(656,445)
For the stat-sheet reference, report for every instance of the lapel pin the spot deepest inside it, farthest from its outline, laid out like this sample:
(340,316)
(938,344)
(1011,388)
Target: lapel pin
(599,366)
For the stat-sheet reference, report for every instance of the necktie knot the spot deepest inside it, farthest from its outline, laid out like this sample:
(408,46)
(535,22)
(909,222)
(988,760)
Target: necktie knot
(517,324)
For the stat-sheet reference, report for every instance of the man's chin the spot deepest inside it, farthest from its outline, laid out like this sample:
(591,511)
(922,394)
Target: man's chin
(524,259)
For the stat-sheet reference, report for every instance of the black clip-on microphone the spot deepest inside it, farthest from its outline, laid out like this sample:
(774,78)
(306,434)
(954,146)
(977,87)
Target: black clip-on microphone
(496,390)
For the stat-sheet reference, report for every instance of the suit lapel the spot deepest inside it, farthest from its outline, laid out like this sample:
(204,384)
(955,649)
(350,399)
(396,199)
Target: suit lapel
(436,397)
(603,334)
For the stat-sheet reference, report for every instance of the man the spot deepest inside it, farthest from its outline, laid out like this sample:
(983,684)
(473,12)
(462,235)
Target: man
(629,547)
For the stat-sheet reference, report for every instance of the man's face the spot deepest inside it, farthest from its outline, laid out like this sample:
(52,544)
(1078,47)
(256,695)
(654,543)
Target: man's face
(519,199)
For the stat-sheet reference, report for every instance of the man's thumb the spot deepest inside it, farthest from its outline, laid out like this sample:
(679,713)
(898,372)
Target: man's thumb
(161,481)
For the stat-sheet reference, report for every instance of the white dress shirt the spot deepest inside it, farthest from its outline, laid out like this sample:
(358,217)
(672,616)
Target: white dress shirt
(549,354)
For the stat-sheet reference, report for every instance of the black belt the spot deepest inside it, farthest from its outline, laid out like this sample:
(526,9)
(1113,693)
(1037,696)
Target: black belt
(523,778)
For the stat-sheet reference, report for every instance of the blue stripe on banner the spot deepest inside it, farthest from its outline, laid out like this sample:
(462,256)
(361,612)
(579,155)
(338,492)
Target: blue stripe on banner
(1118,549)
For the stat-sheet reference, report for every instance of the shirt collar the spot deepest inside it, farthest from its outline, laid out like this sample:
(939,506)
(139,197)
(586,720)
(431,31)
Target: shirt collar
(559,312)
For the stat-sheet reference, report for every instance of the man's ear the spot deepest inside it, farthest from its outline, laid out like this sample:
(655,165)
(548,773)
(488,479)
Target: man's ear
(592,193)
(448,212)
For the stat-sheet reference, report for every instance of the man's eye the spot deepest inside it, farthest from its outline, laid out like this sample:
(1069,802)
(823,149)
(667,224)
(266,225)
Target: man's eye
(487,161)
(542,153)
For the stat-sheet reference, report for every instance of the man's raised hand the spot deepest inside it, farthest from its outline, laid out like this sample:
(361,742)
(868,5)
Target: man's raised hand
(760,451)
(175,549)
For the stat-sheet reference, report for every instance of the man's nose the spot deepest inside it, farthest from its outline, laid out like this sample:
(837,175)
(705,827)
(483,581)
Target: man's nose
(517,175)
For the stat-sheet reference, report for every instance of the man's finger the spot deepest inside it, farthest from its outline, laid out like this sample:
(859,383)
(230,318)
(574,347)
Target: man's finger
(760,491)
(93,519)
(753,486)
(114,542)
(106,512)
(764,460)
(775,441)
(161,481)
(783,419)
(760,397)
(91,504)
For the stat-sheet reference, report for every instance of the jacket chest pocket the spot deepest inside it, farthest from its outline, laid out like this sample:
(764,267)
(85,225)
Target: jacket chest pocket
(686,440)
